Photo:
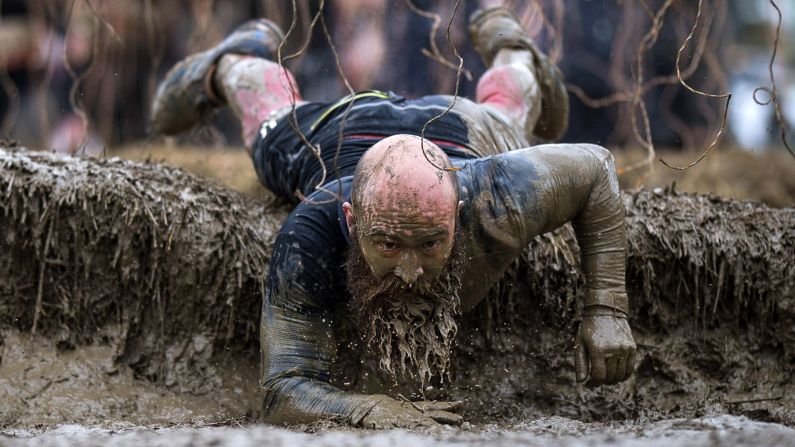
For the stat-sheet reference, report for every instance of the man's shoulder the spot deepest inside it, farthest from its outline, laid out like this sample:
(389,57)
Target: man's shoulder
(504,168)
(307,264)
(473,173)
(497,192)
(319,215)
(315,232)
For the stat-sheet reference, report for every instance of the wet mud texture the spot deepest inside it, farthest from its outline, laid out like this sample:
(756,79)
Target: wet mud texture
(42,386)
(162,272)
(551,431)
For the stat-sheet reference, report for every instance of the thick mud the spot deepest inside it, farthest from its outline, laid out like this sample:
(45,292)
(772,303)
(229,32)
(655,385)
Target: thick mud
(42,385)
(130,292)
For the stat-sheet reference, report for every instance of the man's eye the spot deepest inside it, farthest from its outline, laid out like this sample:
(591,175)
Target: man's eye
(387,246)
(432,245)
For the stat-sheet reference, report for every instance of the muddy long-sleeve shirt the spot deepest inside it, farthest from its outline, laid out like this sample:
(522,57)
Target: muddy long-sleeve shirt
(508,200)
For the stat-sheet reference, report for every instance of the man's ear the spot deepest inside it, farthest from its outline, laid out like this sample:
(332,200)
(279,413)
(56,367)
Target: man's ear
(347,209)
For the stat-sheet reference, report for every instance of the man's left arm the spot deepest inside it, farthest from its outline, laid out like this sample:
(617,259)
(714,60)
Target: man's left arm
(544,187)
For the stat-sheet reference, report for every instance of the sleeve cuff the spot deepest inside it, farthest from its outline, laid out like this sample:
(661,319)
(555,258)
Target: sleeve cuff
(605,299)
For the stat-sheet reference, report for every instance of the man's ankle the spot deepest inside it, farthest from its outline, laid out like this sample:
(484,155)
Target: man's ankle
(218,73)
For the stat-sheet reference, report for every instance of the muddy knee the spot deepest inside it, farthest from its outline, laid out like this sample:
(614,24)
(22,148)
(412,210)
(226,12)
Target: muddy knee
(254,88)
(512,90)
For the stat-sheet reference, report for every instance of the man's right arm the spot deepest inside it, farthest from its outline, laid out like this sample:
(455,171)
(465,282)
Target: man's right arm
(297,390)
(297,342)
(297,352)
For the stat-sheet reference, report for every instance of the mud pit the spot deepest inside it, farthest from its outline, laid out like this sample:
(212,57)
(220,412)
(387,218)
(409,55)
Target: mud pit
(130,292)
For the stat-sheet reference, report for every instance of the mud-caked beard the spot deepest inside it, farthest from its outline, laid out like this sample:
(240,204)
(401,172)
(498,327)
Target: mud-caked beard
(411,329)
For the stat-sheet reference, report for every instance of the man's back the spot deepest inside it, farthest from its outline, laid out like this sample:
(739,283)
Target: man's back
(286,165)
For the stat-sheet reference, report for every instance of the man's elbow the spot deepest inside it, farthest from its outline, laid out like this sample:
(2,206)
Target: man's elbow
(604,166)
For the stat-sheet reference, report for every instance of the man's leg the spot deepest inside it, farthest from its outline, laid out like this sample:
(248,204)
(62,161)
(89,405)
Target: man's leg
(255,89)
(522,86)
(235,72)
(510,88)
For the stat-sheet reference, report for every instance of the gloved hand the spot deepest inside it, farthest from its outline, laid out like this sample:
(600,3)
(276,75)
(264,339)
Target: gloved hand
(605,350)
(391,413)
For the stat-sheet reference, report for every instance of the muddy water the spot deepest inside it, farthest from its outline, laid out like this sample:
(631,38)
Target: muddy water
(551,431)
(42,384)
(53,396)
(43,388)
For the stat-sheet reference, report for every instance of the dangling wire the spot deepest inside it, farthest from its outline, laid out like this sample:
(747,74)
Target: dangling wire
(771,91)
(455,94)
(434,53)
(727,95)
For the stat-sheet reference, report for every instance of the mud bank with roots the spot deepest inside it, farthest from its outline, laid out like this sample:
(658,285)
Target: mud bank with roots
(131,291)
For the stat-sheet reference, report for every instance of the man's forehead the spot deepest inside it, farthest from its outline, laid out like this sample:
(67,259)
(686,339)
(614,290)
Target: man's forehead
(410,206)
(395,214)
(409,186)
(397,178)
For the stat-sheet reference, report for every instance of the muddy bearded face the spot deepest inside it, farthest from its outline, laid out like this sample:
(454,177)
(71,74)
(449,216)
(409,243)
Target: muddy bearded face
(404,264)
(409,328)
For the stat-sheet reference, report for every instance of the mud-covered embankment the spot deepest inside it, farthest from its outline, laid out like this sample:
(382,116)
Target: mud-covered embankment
(166,270)
(175,262)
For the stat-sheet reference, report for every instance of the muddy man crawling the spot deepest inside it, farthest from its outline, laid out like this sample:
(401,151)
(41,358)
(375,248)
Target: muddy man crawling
(404,235)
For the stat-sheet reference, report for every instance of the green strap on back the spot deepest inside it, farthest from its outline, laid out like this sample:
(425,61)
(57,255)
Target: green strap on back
(347,99)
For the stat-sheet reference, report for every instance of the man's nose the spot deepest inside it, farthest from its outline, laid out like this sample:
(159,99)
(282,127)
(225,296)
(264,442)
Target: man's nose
(409,269)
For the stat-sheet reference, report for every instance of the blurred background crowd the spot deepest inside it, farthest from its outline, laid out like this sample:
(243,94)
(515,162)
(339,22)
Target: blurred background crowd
(80,74)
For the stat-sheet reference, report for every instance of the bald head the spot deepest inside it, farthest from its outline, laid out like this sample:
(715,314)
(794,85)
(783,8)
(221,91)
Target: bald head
(394,172)
(404,208)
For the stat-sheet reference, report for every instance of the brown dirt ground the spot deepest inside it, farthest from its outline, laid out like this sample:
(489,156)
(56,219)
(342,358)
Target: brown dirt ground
(767,176)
